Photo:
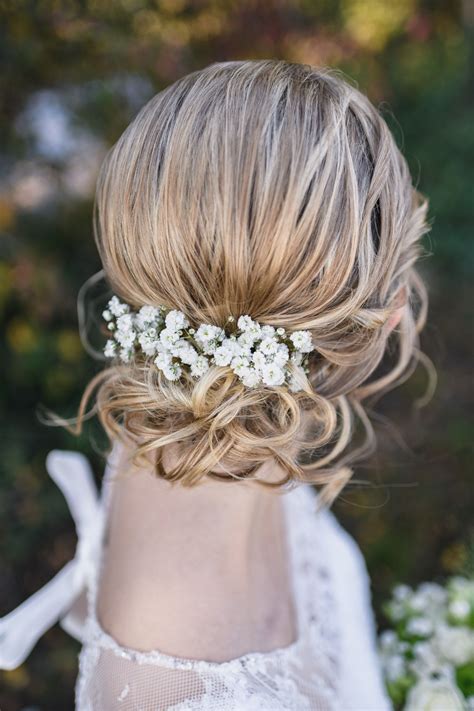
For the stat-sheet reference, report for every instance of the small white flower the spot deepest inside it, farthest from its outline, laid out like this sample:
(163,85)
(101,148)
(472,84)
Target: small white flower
(172,371)
(402,592)
(239,364)
(250,377)
(176,320)
(111,326)
(107,315)
(209,347)
(116,307)
(419,601)
(394,667)
(388,640)
(206,332)
(147,316)
(282,355)
(246,340)
(280,331)
(302,341)
(433,592)
(200,366)
(434,695)
(397,610)
(163,360)
(168,337)
(223,355)
(148,340)
(268,346)
(459,609)
(125,355)
(259,360)
(454,644)
(268,331)
(125,334)
(185,352)
(273,374)
(420,626)
(125,322)
(245,323)
(110,348)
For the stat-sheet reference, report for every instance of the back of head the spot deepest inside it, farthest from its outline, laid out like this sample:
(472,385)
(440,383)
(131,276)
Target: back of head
(274,190)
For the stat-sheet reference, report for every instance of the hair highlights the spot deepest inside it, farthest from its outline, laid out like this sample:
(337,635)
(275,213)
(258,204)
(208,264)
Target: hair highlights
(276,190)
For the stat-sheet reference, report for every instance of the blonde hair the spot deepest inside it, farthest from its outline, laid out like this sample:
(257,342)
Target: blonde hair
(276,190)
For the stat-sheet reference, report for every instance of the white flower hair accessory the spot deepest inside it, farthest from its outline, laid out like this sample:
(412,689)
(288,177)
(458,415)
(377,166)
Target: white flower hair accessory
(256,353)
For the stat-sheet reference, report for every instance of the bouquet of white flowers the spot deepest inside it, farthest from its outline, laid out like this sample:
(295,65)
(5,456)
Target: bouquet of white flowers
(428,656)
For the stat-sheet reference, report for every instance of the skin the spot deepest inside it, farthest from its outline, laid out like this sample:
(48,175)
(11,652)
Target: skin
(202,573)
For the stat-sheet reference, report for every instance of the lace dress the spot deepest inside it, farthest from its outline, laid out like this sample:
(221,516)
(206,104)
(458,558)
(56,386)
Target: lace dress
(332,665)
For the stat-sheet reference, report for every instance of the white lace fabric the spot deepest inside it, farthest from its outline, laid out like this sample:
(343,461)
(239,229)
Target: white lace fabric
(332,665)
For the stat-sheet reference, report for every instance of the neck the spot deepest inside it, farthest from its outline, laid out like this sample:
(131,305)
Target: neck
(213,555)
(227,522)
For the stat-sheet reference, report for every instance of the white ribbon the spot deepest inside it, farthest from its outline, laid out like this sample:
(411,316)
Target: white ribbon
(21,628)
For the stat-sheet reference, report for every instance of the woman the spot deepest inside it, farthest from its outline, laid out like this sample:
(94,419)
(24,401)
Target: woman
(259,228)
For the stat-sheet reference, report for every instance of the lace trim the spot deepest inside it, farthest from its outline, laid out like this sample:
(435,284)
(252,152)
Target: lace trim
(312,593)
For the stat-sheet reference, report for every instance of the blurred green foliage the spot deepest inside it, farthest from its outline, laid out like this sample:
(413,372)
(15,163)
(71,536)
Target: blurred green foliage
(73,76)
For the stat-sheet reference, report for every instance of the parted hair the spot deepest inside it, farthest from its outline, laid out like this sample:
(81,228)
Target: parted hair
(277,190)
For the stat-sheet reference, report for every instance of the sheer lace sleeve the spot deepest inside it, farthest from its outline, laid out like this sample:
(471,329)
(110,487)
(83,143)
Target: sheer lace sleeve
(362,687)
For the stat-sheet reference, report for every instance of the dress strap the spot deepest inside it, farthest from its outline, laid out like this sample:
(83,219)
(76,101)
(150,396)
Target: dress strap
(21,628)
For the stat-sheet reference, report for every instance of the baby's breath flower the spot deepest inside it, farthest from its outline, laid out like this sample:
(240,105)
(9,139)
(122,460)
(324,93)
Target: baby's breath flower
(185,352)
(200,366)
(176,320)
(268,346)
(163,360)
(239,364)
(148,340)
(273,374)
(223,355)
(250,377)
(125,339)
(254,352)
(259,360)
(168,337)
(147,316)
(267,331)
(302,340)
(172,371)
(206,333)
(116,307)
(282,354)
(110,348)
(125,355)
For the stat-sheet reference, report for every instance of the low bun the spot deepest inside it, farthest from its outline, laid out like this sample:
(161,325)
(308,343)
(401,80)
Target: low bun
(215,419)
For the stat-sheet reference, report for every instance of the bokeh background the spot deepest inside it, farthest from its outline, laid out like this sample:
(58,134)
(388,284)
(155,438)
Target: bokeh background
(73,75)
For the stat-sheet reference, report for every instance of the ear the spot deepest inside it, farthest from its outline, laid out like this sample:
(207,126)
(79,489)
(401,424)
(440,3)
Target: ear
(400,301)
(395,319)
